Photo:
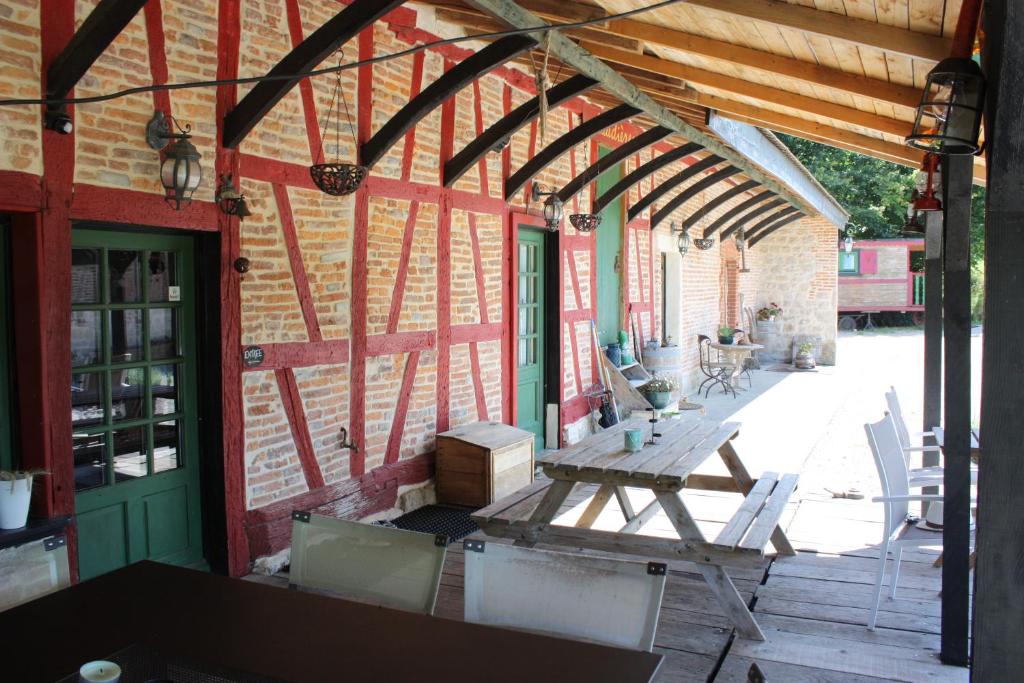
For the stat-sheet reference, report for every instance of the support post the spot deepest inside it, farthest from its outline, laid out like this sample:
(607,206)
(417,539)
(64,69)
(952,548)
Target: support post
(956,332)
(999,600)
(932,412)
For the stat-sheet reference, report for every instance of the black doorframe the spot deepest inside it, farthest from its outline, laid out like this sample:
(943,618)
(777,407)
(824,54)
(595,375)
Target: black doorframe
(553,363)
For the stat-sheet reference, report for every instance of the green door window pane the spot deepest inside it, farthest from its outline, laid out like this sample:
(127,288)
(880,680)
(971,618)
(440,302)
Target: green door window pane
(85,276)
(126,336)
(128,394)
(163,334)
(166,437)
(87,402)
(163,273)
(164,380)
(130,461)
(86,338)
(125,276)
(89,452)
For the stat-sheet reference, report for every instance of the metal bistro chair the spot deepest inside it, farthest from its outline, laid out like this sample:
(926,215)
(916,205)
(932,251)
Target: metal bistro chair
(750,362)
(715,371)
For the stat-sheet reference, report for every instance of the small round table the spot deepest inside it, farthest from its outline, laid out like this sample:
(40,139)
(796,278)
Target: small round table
(735,355)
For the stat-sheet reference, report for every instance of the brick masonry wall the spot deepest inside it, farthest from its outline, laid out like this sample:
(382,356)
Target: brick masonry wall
(427,349)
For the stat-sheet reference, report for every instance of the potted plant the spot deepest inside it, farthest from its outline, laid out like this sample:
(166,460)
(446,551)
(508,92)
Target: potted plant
(769,313)
(804,358)
(658,392)
(725,334)
(15,495)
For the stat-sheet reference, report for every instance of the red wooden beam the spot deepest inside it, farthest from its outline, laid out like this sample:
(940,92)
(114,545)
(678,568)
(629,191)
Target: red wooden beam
(575,356)
(291,240)
(305,85)
(403,268)
(478,119)
(153,12)
(296,414)
(478,270)
(114,205)
(400,342)
(394,447)
(302,354)
(478,382)
(444,269)
(474,332)
(20,191)
(574,279)
(416,82)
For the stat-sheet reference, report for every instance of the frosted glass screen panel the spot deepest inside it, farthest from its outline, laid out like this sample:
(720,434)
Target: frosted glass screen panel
(573,596)
(32,570)
(366,562)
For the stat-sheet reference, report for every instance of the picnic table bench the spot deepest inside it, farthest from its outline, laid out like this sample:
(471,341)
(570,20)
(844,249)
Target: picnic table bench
(665,467)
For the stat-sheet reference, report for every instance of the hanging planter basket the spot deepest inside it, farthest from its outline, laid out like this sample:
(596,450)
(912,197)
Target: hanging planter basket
(704,243)
(585,222)
(338,180)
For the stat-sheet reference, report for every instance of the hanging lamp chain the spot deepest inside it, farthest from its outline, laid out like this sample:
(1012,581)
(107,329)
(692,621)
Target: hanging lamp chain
(334,111)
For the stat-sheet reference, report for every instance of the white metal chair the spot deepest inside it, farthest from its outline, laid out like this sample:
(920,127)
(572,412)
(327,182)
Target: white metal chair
(609,601)
(367,562)
(898,531)
(920,476)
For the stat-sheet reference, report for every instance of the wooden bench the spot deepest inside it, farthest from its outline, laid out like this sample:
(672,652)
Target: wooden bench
(665,468)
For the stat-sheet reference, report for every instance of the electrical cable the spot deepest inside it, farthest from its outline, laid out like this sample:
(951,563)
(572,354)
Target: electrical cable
(61,102)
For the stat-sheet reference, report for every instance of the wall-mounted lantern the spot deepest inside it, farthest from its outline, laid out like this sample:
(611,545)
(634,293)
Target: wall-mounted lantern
(683,243)
(741,246)
(848,244)
(230,200)
(180,173)
(949,116)
(552,207)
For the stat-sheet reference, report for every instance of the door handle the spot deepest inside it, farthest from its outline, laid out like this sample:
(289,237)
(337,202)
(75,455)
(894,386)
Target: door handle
(617,267)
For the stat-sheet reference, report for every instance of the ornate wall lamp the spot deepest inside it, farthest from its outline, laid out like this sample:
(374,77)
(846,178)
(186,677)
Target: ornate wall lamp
(683,242)
(741,246)
(552,207)
(949,116)
(180,173)
(230,200)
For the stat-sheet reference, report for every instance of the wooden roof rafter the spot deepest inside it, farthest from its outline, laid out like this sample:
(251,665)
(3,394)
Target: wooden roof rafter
(562,144)
(620,153)
(435,94)
(509,124)
(722,198)
(778,225)
(749,216)
(710,230)
(642,172)
(671,183)
(305,56)
(104,23)
(691,192)
(755,231)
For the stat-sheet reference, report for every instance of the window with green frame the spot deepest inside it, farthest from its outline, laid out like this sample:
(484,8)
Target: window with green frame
(6,405)
(849,263)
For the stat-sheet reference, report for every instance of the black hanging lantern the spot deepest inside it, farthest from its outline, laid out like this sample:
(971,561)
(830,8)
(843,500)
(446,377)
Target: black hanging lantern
(552,207)
(180,172)
(585,222)
(230,200)
(949,115)
(683,242)
(337,178)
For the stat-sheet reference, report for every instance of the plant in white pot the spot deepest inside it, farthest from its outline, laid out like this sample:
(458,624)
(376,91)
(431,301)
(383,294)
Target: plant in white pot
(15,496)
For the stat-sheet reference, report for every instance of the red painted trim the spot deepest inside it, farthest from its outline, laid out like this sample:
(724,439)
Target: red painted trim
(401,409)
(578,315)
(506,154)
(296,414)
(227,162)
(305,85)
(478,118)
(530,152)
(444,269)
(291,240)
(574,408)
(302,354)
(572,165)
(410,137)
(403,268)
(276,171)
(478,382)
(574,279)
(478,270)
(505,329)
(357,376)
(847,281)
(639,268)
(20,191)
(115,205)
(475,332)
(157,54)
(269,527)
(575,356)
(400,342)
(578,242)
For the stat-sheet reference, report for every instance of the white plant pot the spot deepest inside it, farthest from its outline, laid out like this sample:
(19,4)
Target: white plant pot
(14,500)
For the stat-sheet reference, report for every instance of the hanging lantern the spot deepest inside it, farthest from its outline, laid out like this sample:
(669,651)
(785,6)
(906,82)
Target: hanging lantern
(683,243)
(180,172)
(741,246)
(230,200)
(337,178)
(848,244)
(552,207)
(585,222)
(926,181)
(949,115)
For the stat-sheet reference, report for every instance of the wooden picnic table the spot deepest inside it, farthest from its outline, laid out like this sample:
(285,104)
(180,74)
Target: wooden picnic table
(665,468)
(735,355)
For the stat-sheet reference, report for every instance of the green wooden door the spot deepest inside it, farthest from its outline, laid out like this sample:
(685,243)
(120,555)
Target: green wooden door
(530,333)
(133,400)
(609,250)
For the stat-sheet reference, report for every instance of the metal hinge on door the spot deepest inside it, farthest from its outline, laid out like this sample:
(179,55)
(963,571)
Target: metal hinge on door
(617,267)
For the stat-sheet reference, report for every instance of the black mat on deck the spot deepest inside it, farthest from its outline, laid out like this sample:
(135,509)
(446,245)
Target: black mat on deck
(453,522)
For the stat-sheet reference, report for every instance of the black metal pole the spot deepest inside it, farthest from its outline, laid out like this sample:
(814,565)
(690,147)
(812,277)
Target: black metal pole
(956,330)
(999,598)
(932,413)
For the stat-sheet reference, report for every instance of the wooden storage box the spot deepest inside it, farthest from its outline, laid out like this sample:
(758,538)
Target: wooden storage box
(482,462)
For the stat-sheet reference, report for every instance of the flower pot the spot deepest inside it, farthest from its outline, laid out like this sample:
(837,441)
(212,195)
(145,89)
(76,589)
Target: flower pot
(658,399)
(804,360)
(14,500)
(722,339)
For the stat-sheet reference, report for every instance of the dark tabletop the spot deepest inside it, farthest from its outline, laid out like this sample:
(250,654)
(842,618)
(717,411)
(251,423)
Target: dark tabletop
(284,634)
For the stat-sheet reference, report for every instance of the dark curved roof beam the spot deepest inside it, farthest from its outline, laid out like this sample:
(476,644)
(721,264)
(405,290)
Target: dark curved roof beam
(736,211)
(508,125)
(718,201)
(623,151)
(556,148)
(435,94)
(318,46)
(691,192)
(751,215)
(754,231)
(642,172)
(772,228)
(673,182)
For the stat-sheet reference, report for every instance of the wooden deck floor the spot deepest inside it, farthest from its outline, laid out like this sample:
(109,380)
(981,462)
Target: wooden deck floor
(812,607)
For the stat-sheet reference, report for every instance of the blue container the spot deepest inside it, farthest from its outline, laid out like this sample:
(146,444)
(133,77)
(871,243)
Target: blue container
(614,353)
(634,439)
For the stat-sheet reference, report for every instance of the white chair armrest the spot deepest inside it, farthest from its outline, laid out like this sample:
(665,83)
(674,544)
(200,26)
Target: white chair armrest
(931,497)
(924,433)
(923,449)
